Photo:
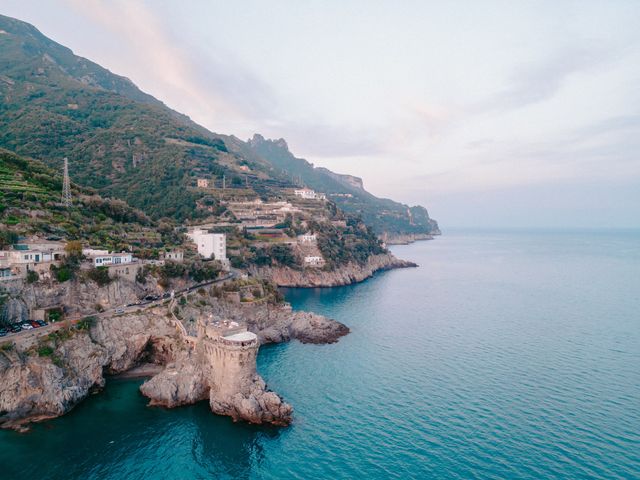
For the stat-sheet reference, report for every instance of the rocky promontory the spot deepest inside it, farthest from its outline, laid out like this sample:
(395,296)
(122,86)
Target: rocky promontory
(46,377)
(344,275)
(50,378)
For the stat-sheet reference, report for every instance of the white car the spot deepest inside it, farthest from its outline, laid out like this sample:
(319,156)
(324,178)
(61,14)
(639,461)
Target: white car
(119,310)
(26,326)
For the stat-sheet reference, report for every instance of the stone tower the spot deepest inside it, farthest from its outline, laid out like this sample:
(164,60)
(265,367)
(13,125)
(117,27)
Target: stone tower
(227,353)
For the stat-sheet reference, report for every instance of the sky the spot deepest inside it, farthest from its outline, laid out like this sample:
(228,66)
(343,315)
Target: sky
(493,113)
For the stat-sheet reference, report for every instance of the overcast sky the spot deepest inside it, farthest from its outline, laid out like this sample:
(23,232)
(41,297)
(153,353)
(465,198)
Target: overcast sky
(494,113)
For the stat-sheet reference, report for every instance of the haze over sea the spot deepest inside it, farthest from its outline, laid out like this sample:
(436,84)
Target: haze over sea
(505,355)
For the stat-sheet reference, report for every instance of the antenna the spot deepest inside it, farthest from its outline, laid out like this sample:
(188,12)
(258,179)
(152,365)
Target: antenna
(66,186)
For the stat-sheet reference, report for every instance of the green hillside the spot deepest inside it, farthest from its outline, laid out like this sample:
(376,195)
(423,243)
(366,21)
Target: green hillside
(119,140)
(30,194)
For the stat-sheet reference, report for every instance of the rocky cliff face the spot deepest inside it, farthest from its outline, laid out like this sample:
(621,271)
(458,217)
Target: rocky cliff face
(404,239)
(34,388)
(345,275)
(36,384)
(80,297)
(271,323)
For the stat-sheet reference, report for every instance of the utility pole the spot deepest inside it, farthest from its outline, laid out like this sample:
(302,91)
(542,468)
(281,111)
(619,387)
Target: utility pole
(224,182)
(66,185)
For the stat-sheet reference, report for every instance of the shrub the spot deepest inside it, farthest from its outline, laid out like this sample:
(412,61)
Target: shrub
(86,323)
(45,350)
(32,276)
(100,275)
(141,275)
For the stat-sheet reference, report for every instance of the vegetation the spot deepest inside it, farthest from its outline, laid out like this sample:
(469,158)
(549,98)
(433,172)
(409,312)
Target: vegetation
(45,350)
(100,275)
(86,323)
(32,276)
(355,243)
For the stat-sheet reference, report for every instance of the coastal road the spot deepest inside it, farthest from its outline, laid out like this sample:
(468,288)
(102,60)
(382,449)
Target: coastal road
(30,335)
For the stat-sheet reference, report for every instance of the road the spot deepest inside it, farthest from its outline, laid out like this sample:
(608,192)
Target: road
(110,312)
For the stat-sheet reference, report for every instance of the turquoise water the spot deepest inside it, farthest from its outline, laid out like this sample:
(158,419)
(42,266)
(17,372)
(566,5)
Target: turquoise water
(505,355)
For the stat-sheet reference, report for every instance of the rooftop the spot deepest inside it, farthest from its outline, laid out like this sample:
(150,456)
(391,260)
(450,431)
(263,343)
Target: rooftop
(241,337)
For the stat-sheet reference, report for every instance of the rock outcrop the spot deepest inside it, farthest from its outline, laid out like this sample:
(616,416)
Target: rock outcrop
(80,296)
(271,323)
(48,380)
(405,238)
(345,275)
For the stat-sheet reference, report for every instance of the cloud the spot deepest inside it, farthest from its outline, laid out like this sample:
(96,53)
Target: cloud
(212,86)
(537,82)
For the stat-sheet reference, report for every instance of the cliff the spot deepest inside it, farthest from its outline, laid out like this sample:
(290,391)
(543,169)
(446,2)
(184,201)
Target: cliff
(405,239)
(79,297)
(345,275)
(50,379)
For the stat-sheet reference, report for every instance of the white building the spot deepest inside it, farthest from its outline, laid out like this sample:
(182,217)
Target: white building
(174,255)
(313,260)
(210,245)
(107,259)
(306,193)
(307,238)
(203,183)
(30,255)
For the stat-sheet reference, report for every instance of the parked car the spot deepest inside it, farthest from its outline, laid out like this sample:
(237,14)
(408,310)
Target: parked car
(34,324)
(119,310)
(166,295)
(26,326)
(3,332)
(42,323)
(16,328)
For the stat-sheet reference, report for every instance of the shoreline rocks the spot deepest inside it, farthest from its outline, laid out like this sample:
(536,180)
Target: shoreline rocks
(345,275)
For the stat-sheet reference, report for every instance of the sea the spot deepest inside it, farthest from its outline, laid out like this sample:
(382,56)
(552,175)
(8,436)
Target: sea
(504,355)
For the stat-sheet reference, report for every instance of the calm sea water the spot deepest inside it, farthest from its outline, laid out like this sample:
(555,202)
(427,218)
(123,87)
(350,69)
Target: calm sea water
(505,355)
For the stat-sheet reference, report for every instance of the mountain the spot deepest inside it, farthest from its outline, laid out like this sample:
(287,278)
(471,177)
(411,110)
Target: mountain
(125,144)
(347,191)
(119,140)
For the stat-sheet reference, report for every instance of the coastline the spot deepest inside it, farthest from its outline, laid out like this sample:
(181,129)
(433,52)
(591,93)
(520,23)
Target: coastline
(146,345)
(345,275)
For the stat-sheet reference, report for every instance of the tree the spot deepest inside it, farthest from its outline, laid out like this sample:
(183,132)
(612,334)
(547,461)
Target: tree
(7,237)
(32,276)
(73,248)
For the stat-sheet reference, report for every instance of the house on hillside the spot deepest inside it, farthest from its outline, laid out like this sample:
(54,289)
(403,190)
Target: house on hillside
(210,245)
(307,238)
(203,183)
(313,261)
(173,255)
(103,258)
(37,255)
